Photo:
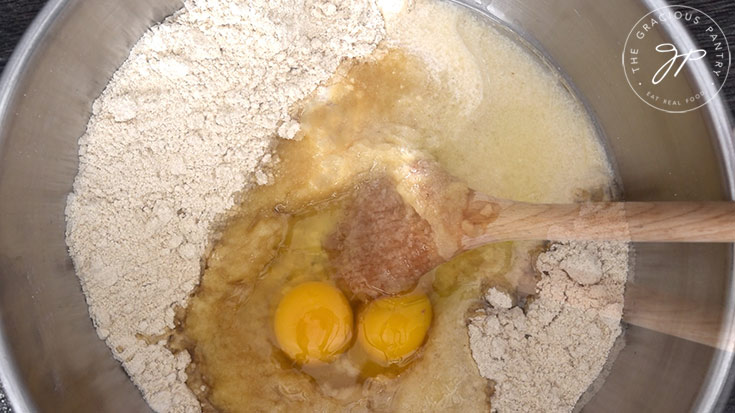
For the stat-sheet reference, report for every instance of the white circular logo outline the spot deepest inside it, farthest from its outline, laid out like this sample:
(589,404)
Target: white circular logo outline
(727,47)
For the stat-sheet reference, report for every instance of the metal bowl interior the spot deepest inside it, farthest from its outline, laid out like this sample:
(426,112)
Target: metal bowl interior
(52,360)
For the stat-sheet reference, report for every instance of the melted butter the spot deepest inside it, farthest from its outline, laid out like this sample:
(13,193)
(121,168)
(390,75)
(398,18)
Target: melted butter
(376,117)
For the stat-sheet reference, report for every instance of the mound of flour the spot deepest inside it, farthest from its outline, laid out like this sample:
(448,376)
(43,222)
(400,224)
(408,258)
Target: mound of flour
(546,357)
(183,127)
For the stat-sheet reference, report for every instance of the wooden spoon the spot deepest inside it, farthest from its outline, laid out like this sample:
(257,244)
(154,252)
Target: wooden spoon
(383,245)
(488,219)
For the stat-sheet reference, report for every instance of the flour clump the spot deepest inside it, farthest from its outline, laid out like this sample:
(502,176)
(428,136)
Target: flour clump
(182,128)
(546,357)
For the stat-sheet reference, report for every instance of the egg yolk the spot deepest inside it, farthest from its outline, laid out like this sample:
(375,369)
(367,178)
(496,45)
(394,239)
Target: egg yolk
(391,329)
(313,323)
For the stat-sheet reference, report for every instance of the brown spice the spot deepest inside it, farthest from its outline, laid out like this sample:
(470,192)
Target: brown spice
(381,246)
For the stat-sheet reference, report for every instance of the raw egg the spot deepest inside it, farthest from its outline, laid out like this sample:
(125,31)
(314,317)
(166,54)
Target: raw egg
(391,329)
(313,323)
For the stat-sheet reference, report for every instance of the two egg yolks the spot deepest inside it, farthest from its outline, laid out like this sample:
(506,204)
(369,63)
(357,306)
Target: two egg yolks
(314,323)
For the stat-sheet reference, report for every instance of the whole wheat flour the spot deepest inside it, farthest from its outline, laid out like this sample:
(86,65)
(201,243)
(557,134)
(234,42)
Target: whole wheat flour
(545,358)
(182,127)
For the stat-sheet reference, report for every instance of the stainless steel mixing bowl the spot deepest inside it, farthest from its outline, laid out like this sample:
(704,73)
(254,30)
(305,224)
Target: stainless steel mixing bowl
(680,301)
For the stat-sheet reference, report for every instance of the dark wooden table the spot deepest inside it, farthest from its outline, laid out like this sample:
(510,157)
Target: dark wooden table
(16,15)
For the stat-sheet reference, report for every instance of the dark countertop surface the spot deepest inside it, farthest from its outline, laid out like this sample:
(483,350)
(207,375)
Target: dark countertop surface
(16,15)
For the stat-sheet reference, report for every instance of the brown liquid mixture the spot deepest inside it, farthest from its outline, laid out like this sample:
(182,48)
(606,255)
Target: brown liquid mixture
(377,117)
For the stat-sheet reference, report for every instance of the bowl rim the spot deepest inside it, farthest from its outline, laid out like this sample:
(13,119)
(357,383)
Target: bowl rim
(712,397)
(15,390)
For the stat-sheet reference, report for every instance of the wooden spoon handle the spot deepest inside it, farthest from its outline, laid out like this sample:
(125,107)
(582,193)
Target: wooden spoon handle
(489,220)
